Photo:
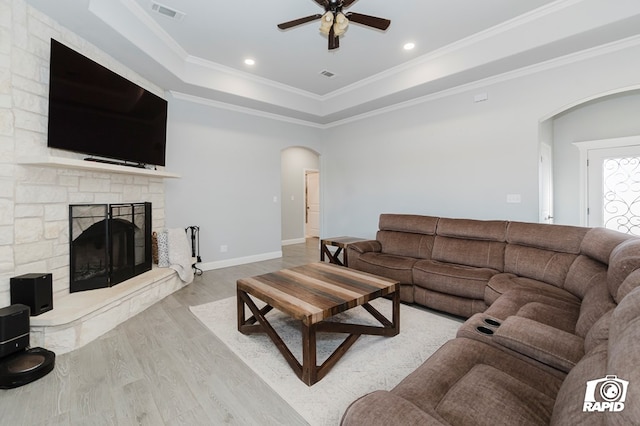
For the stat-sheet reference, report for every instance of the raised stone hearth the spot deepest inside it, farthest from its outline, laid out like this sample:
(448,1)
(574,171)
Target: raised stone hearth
(78,318)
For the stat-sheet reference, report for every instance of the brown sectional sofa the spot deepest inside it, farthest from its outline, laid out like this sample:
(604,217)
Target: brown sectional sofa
(549,309)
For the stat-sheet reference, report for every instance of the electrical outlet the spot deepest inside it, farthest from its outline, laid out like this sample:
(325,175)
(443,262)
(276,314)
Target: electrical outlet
(223,249)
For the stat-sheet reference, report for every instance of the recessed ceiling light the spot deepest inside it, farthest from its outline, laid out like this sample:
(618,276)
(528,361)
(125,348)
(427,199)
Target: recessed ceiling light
(249,62)
(409,46)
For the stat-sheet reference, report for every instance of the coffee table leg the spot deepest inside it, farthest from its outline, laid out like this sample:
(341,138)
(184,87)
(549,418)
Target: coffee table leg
(309,361)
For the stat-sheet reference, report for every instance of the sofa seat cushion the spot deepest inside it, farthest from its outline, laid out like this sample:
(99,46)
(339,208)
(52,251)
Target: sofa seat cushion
(501,283)
(455,305)
(467,382)
(561,313)
(390,266)
(544,343)
(450,278)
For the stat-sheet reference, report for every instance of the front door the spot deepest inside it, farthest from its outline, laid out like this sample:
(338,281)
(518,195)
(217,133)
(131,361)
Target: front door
(613,188)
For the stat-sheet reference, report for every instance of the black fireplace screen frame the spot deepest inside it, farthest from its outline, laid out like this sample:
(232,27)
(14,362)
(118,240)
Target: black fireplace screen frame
(109,243)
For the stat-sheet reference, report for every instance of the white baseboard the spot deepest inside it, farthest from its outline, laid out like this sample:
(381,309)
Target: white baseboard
(294,241)
(208,266)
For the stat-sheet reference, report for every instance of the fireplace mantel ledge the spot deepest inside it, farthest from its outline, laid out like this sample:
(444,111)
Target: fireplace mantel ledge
(78,318)
(73,163)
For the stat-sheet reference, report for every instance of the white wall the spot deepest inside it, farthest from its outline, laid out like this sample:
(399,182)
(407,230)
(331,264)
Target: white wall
(452,157)
(611,116)
(230,164)
(295,161)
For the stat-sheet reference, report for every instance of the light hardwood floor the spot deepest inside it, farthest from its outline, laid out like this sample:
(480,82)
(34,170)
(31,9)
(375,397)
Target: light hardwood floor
(161,367)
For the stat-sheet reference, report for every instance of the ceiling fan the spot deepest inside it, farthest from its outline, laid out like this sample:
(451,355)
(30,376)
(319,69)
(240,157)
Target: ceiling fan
(334,22)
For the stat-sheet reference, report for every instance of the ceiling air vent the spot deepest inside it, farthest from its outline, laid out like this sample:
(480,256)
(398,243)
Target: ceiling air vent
(167,11)
(327,73)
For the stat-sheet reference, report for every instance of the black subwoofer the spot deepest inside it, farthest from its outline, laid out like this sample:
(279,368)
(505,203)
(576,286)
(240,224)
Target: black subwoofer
(33,290)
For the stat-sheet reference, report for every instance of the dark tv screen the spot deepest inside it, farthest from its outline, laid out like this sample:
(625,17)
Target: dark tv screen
(95,111)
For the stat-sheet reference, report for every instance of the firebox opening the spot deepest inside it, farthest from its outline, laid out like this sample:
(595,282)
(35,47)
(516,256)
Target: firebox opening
(108,244)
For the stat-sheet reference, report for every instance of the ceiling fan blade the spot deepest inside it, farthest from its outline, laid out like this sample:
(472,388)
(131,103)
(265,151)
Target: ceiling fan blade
(370,21)
(321,3)
(347,3)
(334,41)
(300,21)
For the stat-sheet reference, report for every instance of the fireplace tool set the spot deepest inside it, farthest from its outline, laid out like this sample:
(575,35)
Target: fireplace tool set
(193,232)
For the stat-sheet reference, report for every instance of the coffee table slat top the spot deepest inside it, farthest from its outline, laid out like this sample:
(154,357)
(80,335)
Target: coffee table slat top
(312,293)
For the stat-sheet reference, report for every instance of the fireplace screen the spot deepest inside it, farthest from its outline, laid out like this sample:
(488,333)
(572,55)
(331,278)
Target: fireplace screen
(109,244)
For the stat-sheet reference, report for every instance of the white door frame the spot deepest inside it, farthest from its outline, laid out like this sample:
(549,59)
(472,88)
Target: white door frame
(584,148)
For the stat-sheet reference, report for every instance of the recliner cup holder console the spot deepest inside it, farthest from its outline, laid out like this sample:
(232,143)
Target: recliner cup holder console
(492,322)
(484,330)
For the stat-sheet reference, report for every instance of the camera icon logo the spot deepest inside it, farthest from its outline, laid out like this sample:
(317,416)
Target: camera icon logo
(605,394)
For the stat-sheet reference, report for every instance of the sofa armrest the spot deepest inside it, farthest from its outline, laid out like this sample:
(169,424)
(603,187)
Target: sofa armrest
(385,408)
(541,342)
(366,246)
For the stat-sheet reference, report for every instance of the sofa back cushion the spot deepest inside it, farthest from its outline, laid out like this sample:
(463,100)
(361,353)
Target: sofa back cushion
(407,235)
(583,274)
(542,252)
(565,239)
(543,265)
(471,242)
(489,230)
(624,260)
(481,254)
(405,244)
(594,305)
(598,243)
(414,224)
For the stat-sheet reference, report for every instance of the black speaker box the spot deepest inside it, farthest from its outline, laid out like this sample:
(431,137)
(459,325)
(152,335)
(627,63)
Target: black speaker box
(33,290)
(14,329)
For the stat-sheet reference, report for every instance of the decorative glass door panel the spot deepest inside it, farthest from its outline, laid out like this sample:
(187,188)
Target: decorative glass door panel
(621,194)
(614,189)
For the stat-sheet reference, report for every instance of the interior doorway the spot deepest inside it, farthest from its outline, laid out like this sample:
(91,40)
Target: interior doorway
(312,203)
(300,197)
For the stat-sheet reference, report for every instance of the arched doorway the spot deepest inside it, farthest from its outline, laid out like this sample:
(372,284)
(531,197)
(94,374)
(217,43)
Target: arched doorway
(607,116)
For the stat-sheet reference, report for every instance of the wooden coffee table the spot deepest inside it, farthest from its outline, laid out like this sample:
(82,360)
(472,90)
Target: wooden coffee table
(311,294)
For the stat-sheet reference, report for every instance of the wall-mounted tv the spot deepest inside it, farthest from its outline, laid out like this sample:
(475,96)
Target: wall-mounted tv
(94,111)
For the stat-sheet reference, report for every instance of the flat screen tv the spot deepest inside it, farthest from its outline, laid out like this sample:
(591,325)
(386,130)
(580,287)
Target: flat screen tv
(94,111)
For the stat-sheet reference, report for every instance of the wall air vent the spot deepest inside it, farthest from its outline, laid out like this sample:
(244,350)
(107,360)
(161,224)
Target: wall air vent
(327,74)
(167,11)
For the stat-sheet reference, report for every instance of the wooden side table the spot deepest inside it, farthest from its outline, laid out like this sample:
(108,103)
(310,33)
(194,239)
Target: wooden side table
(341,243)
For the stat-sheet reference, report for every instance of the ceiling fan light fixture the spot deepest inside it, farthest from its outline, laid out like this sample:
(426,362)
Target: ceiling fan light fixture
(341,24)
(326,23)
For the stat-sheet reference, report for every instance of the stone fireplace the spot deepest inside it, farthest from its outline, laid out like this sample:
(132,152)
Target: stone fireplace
(109,243)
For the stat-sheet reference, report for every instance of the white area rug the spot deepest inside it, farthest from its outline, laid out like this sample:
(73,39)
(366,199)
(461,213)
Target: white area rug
(373,362)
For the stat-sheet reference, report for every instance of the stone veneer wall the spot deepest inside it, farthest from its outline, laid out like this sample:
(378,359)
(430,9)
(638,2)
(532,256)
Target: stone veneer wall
(34,228)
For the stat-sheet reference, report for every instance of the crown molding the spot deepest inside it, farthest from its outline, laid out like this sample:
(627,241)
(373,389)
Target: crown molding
(196,60)
(132,21)
(244,110)
(455,47)
(500,78)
